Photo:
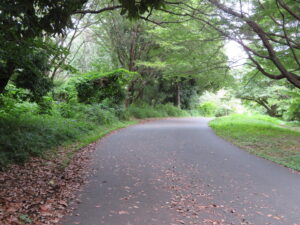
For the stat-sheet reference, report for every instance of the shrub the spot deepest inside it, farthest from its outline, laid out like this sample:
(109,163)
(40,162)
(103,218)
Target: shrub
(143,110)
(293,112)
(45,105)
(208,109)
(171,110)
(89,113)
(95,87)
(223,111)
(28,135)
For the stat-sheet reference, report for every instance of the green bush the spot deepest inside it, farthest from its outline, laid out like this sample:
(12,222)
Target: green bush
(11,106)
(223,111)
(18,94)
(45,105)
(96,87)
(24,132)
(28,135)
(293,112)
(143,110)
(94,113)
(65,92)
(171,110)
(208,109)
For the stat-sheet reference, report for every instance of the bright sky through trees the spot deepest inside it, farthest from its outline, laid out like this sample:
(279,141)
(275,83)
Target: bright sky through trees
(236,55)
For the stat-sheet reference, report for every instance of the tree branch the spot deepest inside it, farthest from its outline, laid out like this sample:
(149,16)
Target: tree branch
(90,11)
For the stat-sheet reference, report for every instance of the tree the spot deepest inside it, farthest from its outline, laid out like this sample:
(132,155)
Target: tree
(22,22)
(271,30)
(189,55)
(267,30)
(126,43)
(183,53)
(267,94)
(23,27)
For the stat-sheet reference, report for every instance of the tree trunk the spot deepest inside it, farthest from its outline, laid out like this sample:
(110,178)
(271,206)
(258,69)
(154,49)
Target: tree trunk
(273,111)
(178,93)
(3,83)
(130,93)
(5,74)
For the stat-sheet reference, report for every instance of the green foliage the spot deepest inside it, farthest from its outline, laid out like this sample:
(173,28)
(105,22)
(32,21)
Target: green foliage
(11,106)
(171,110)
(184,50)
(208,109)
(19,94)
(33,75)
(28,135)
(24,28)
(19,100)
(25,219)
(271,97)
(45,104)
(224,111)
(164,91)
(97,114)
(37,17)
(143,110)
(95,87)
(66,91)
(181,54)
(25,133)
(135,8)
(223,102)
(271,46)
(293,112)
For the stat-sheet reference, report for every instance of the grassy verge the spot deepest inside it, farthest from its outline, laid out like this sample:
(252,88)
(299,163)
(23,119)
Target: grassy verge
(33,135)
(262,135)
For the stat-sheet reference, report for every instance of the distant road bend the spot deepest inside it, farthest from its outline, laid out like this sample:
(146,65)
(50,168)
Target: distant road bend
(177,171)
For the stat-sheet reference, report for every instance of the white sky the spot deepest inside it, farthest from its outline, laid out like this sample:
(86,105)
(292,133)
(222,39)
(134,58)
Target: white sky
(235,53)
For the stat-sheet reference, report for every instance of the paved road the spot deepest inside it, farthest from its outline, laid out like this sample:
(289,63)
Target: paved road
(177,171)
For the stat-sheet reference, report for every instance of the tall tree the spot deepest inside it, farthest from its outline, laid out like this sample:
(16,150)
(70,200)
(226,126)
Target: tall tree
(189,55)
(267,30)
(22,22)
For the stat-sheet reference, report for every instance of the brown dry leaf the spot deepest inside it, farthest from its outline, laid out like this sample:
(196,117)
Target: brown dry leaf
(123,212)
(41,193)
(45,207)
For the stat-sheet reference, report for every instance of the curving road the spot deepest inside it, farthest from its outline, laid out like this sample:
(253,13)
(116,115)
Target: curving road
(177,171)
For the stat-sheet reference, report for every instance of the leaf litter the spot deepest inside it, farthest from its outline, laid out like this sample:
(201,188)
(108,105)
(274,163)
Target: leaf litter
(39,191)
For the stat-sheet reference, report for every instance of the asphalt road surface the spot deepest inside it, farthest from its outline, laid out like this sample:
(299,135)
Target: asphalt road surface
(177,171)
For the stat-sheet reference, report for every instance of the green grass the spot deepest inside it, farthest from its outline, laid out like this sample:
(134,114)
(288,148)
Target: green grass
(264,136)
(33,135)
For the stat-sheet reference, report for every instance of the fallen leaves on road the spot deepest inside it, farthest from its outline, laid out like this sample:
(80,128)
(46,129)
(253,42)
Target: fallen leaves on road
(122,212)
(38,192)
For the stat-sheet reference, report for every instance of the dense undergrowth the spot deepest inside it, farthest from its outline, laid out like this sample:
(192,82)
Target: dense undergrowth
(79,110)
(265,136)
(25,133)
